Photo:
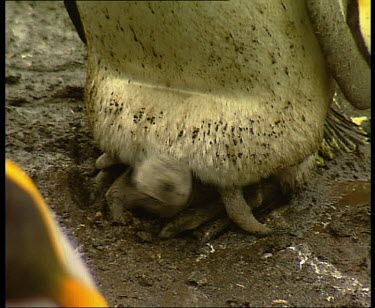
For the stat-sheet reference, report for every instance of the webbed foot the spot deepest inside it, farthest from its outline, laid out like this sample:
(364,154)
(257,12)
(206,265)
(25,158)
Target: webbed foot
(191,219)
(212,230)
(102,182)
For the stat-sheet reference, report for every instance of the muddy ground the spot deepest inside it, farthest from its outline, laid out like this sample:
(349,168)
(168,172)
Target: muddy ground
(321,258)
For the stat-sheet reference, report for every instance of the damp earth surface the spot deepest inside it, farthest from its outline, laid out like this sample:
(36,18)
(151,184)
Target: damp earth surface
(321,256)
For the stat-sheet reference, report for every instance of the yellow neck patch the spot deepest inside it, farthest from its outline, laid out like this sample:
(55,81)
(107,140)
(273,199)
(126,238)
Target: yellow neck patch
(364,8)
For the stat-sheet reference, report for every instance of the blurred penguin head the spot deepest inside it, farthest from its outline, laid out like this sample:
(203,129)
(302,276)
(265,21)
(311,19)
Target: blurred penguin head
(42,267)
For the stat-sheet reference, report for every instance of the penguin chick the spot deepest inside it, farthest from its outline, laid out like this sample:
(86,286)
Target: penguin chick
(159,184)
(164,178)
(42,267)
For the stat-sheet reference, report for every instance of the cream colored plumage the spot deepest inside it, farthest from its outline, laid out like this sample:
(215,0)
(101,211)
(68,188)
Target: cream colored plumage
(239,91)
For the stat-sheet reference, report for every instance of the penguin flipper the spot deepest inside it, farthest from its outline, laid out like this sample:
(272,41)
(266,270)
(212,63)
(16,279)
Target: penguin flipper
(344,58)
(75,17)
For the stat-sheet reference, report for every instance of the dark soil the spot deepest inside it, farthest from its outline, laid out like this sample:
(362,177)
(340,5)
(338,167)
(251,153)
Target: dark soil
(321,258)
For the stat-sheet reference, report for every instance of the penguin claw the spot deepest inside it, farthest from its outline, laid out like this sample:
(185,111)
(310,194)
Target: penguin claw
(241,212)
(191,219)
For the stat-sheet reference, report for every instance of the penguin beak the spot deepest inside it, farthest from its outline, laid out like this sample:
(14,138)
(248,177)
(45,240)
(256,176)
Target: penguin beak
(42,267)
(74,293)
(70,293)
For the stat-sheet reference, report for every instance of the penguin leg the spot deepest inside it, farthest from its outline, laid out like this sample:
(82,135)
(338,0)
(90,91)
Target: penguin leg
(240,211)
(115,196)
(110,169)
(213,229)
(113,184)
(103,181)
(262,197)
(203,208)
(206,215)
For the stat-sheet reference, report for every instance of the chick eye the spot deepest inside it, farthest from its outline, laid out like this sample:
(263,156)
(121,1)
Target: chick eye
(167,187)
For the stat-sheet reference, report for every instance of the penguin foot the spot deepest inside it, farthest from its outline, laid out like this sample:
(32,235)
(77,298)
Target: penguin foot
(207,217)
(102,182)
(212,230)
(240,211)
(191,219)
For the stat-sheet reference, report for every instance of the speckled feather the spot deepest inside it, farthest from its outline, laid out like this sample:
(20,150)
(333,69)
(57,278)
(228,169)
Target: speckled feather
(238,90)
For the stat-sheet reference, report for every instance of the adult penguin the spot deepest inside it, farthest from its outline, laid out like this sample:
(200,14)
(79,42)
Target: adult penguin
(42,268)
(239,91)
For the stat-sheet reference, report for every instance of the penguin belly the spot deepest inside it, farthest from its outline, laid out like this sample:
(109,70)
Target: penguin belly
(238,90)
